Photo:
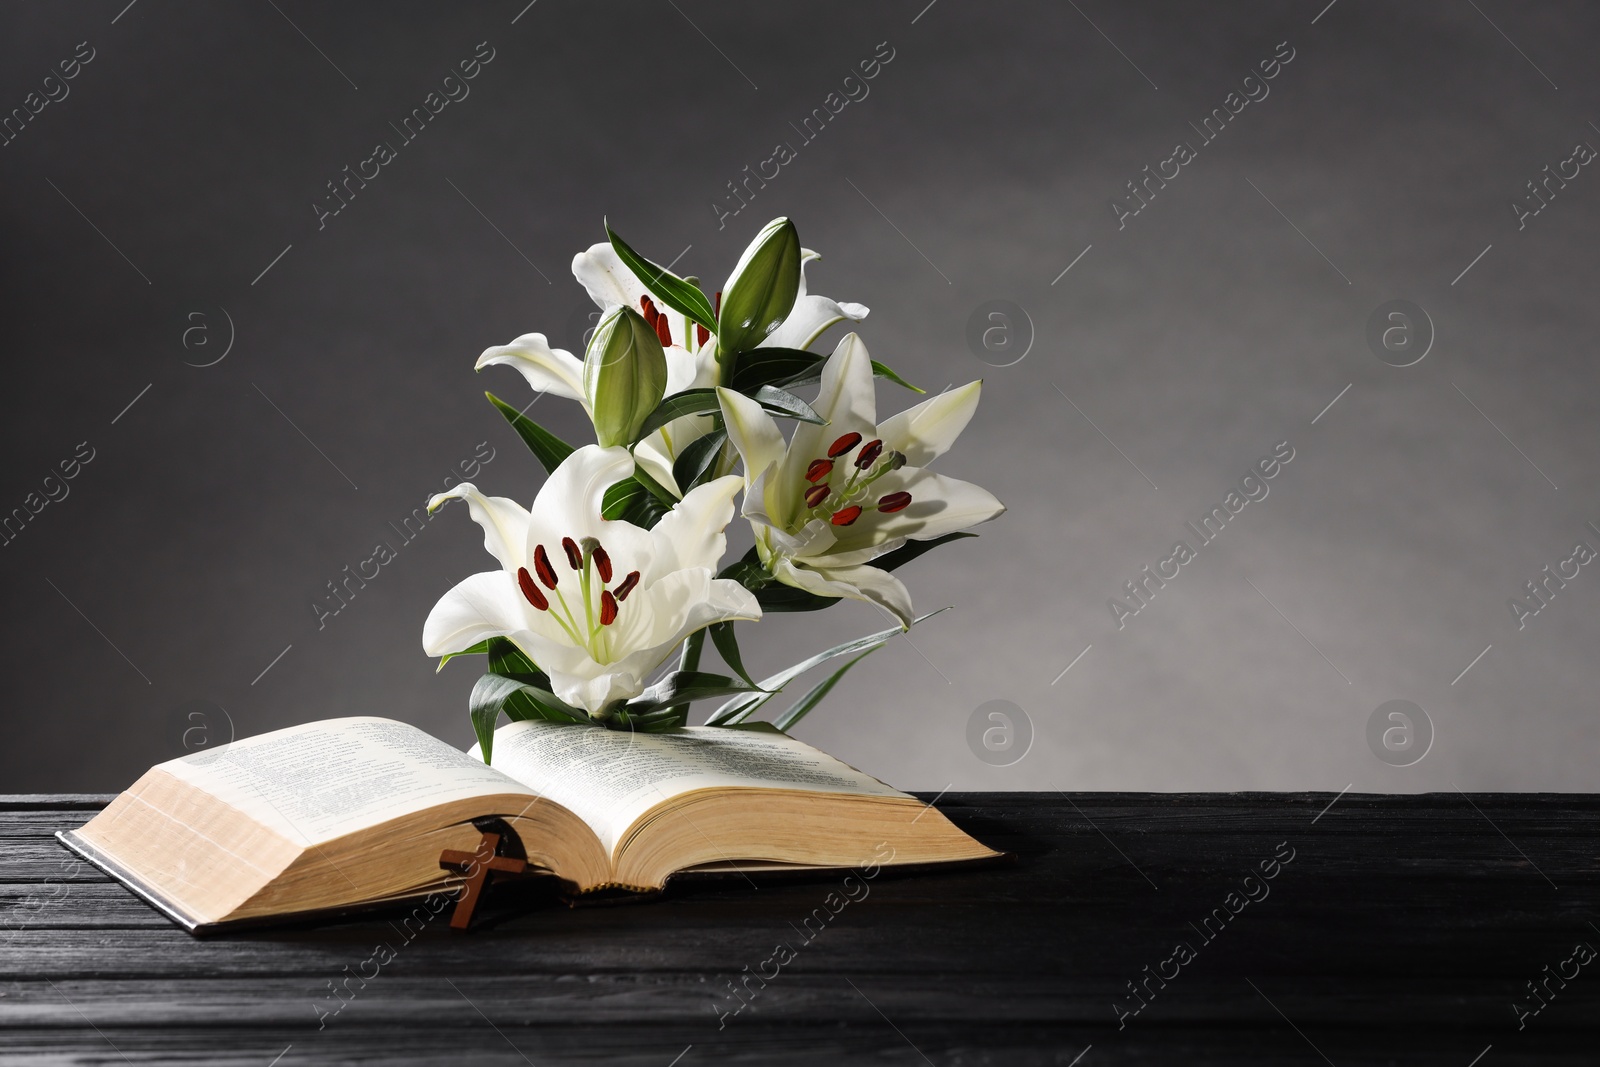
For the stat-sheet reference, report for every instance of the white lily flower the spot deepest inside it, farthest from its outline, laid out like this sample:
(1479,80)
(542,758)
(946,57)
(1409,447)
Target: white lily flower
(841,495)
(598,604)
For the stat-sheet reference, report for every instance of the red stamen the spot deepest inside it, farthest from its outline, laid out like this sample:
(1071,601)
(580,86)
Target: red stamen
(627,585)
(816,495)
(531,591)
(541,567)
(869,454)
(702,335)
(602,560)
(843,445)
(894,502)
(574,556)
(663,331)
(608,608)
(716,305)
(845,516)
(819,469)
(649,308)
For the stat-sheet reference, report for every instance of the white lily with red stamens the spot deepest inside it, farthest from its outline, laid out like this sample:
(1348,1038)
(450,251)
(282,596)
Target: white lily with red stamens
(597,604)
(842,494)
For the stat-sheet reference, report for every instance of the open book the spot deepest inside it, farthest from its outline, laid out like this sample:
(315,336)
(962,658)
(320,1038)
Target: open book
(343,813)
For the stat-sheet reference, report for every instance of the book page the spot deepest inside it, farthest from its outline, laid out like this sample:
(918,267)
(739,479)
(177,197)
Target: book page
(608,778)
(321,780)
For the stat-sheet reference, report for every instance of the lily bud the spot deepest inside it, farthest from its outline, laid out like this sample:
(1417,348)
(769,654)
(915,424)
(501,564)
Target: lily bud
(624,375)
(762,289)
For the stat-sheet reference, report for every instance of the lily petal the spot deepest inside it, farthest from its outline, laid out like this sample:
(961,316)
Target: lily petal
(569,502)
(706,368)
(652,458)
(606,278)
(504,522)
(755,498)
(693,534)
(548,370)
(654,625)
(861,582)
(929,429)
(814,539)
(683,369)
(846,399)
(593,693)
(658,452)
(479,607)
(753,432)
(583,682)
(939,505)
(851,557)
(688,600)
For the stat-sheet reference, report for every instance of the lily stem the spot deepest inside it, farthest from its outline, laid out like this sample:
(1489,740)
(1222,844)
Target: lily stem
(689,660)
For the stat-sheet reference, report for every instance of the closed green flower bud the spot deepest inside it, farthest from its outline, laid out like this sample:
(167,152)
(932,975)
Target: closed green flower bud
(761,291)
(624,375)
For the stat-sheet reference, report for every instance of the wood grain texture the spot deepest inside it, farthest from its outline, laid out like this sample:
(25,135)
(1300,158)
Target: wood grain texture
(1404,930)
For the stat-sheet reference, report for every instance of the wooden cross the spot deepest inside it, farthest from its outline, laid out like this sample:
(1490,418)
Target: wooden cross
(476,866)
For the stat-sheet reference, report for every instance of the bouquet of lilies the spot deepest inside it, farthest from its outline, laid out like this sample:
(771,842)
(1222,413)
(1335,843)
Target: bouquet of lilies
(618,563)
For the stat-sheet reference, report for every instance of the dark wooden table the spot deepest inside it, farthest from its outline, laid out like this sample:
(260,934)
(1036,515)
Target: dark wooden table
(1393,930)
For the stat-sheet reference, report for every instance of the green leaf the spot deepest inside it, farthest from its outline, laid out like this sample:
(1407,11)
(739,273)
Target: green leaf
(780,597)
(507,659)
(803,371)
(632,501)
(762,290)
(727,643)
(547,447)
(773,400)
(773,366)
(477,649)
(489,695)
(696,463)
(912,549)
(648,511)
(780,402)
(680,295)
(741,707)
(680,687)
(622,498)
(883,371)
(688,660)
(688,402)
(496,693)
(658,721)
(800,708)
(748,571)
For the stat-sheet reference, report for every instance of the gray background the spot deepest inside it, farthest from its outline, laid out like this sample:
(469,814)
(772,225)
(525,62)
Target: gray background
(1220,321)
